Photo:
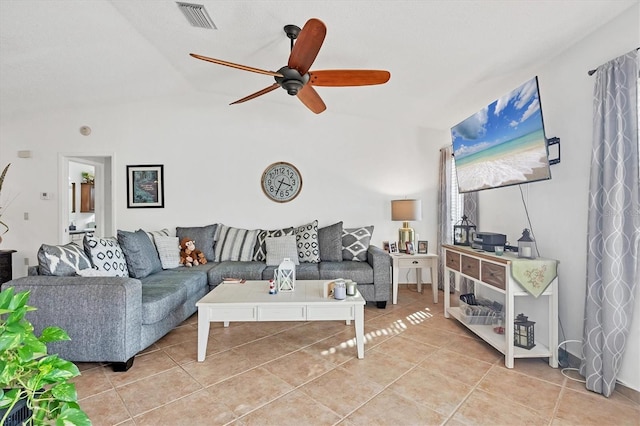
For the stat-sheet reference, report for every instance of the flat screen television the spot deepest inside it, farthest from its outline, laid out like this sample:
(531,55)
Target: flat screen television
(502,144)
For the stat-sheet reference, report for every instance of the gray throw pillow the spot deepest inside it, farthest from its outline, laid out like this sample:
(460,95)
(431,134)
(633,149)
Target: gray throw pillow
(142,256)
(260,250)
(330,241)
(204,236)
(355,243)
(235,244)
(279,248)
(66,260)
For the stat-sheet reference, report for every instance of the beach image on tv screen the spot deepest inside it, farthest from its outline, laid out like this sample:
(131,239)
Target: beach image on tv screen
(503,144)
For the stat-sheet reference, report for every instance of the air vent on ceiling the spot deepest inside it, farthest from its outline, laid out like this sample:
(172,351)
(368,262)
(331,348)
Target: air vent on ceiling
(197,15)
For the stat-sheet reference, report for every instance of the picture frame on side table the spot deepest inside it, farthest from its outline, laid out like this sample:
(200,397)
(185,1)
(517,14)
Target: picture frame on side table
(145,186)
(393,247)
(385,246)
(410,249)
(423,247)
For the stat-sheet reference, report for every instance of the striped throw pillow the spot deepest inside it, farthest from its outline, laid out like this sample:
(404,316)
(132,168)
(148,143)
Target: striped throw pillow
(235,244)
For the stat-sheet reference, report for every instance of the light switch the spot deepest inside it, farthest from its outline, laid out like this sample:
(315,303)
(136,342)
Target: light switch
(26,215)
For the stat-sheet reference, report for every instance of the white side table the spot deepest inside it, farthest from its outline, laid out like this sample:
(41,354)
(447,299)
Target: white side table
(417,262)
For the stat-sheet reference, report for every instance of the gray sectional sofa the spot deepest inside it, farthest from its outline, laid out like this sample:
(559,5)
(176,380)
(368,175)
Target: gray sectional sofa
(112,318)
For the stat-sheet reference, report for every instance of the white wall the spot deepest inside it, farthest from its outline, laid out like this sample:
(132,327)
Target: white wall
(214,156)
(558,208)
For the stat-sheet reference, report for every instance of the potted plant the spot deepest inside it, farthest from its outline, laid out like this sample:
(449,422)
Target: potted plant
(28,375)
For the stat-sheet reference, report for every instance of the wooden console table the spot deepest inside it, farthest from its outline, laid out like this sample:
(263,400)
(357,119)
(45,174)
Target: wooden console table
(492,278)
(6,273)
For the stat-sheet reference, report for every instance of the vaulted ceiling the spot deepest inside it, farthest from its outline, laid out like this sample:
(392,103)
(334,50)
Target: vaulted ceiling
(443,55)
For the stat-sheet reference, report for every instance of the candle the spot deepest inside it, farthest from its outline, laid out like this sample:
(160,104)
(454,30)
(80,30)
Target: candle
(526,251)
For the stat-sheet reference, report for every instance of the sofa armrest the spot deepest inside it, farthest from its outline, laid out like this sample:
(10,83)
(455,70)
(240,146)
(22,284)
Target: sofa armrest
(380,261)
(102,315)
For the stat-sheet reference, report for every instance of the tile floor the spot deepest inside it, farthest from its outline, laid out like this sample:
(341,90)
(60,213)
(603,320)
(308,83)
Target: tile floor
(419,369)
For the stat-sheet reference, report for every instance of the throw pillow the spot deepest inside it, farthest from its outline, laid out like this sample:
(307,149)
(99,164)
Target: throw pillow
(204,236)
(307,241)
(355,243)
(65,260)
(152,234)
(142,256)
(235,244)
(330,241)
(169,251)
(260,251)
(280,247)
(106,256)
(90,272)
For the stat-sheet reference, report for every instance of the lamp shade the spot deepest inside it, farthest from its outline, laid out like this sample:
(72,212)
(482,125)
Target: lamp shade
(405,210)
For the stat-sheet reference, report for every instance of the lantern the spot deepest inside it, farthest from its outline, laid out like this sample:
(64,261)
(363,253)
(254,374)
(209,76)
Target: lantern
(464,232)
(523,335)
(286,275)
(526,246)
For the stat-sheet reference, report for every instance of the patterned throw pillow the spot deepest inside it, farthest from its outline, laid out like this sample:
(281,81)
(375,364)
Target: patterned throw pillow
(169,251)
(260,251)
(62,261)
(307,241)
(355,243)
(106,256)
(278,248)
(152,234)
(235,244)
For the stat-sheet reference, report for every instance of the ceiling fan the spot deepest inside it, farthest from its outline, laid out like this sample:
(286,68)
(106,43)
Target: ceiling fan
(296,78)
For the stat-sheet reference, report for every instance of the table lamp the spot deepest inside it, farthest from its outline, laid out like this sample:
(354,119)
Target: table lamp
(406,210)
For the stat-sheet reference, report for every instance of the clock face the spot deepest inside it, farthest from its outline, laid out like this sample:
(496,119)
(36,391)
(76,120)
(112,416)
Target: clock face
(281,182)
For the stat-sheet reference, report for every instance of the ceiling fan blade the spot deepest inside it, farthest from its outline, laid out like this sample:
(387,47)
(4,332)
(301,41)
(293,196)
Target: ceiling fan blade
(266,90)
(238,66)
(307,45)
(310,98)
(340,78)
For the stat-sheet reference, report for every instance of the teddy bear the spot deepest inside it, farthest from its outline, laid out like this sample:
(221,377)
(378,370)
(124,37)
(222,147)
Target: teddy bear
(189,255)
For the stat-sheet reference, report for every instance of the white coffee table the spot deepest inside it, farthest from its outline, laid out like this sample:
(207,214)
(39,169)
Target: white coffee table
(251,301)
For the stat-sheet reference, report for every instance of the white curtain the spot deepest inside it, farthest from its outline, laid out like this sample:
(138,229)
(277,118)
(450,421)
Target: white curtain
(613,263)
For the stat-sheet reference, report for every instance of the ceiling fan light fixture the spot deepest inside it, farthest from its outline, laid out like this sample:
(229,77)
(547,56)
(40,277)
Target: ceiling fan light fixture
(292,86)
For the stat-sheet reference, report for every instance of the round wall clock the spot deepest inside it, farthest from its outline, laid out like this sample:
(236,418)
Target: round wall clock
(281,182)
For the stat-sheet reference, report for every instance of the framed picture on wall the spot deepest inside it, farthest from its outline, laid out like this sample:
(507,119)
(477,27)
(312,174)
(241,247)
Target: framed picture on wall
(423,247)
(145,186)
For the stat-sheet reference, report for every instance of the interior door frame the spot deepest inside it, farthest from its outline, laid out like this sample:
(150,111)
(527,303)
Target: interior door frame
(104,164)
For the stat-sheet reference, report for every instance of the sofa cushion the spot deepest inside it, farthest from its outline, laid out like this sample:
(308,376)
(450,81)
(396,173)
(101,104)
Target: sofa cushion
(304,271)
(355,243)
(228,269)
(360,272)
(330,241)
(106,256)
(235,244)
(280,248)
(193,279)
(161,297)
(204,236)
(168,251)
(63,260)
(152,234)
(260,250)
(307,240)
(142,256)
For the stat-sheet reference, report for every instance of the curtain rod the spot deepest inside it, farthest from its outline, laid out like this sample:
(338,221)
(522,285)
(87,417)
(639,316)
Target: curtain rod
(591,72)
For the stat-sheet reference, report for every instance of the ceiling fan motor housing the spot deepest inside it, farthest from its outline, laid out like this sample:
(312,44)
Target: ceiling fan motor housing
(291,80)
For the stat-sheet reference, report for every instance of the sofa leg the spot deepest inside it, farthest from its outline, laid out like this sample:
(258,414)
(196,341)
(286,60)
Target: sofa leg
(122,366)
(381,304)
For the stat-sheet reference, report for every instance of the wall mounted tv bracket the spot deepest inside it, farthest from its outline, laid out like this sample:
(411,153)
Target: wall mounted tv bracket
(553,146)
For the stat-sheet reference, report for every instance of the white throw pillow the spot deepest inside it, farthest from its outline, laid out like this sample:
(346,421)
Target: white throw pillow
(168,250)
(106,256)
(279,248)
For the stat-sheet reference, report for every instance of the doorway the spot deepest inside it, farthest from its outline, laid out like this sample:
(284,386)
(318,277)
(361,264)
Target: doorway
(97,213)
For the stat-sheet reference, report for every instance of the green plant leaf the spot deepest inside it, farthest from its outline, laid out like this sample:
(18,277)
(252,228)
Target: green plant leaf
(5,298)
(9,340)
(53,334)
(65,392)
(19,300)
(73,416)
